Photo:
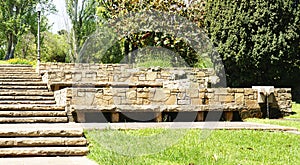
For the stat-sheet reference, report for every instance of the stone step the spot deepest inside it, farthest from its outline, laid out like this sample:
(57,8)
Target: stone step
(27,102)
(33,119)
(24,87)
(33,113)
(15,66)
(24,90)
(31,93)
(41,130)
(21,69)
(27,77)
(44,151)
(27,98)
(23,84)
(2,74)
(31,107)
(12,72)
(21,80)
(42,141)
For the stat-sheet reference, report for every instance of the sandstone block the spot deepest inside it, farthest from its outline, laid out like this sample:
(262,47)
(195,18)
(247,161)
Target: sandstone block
(252,104)
(239,98)
(131,95)
(196,101)
(226,98)
(151,76)
(172,100)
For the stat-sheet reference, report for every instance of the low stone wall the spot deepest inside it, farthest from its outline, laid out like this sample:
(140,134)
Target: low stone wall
(68,74)
(245,101)
(120,88)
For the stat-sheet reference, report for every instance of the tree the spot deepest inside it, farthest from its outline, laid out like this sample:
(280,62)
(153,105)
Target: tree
(17,18)
(257,40)
(110,10)
(83,19)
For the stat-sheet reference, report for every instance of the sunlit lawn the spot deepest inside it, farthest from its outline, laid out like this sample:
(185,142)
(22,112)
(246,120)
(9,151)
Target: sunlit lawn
(220,147)
(291,121)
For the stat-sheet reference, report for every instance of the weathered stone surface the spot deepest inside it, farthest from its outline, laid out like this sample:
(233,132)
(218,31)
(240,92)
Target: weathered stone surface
(172,100)
(41,130)
(42,141)
(239,98)
(226,98)
(34,119)
(32,113)
(44,151)
(252,104)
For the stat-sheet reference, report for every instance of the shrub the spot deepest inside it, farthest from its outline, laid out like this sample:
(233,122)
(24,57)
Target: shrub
(21,61)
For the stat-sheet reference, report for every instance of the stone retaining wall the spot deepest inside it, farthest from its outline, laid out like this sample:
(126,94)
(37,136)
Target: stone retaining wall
(245,101)
(59,74)
(119,88)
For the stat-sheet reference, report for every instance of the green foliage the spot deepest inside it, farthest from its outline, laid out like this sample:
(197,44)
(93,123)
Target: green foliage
(18,18)
(258,40)
(55,48)
(84,20)
(110,10)
(221,147)
(21,61)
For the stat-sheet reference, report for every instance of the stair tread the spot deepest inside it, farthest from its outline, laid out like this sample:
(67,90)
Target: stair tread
(20,80)
(24,83)
(42,141)
(32,113)
(43,151)
(15,93)
(23,87)
(27,102)
(27,97)
(41,129)
(33,119)
(37,107)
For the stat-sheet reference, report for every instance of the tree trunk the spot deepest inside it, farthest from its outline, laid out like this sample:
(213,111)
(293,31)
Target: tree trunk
(11,45)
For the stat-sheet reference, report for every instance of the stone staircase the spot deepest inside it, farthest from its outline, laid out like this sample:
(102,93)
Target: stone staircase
(31,122)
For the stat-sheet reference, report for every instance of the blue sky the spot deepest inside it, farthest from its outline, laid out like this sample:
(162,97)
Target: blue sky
(60,19)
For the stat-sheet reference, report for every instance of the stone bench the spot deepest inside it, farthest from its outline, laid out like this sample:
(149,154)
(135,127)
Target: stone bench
(156,112)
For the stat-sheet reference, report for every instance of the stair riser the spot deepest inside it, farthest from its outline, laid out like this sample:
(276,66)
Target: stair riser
(41,142)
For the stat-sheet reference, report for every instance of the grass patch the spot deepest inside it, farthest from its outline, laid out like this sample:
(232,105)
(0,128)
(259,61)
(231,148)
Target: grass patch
(3,62)
(296,109)
(221,147)
(289,121)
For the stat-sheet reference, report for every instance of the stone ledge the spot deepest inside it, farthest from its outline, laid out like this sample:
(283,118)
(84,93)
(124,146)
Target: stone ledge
(41,130)
(155,108)
(42,141)
(44,151)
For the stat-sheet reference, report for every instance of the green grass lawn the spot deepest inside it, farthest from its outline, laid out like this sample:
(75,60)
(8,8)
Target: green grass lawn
(290,121)
(3,62)
(221,147)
